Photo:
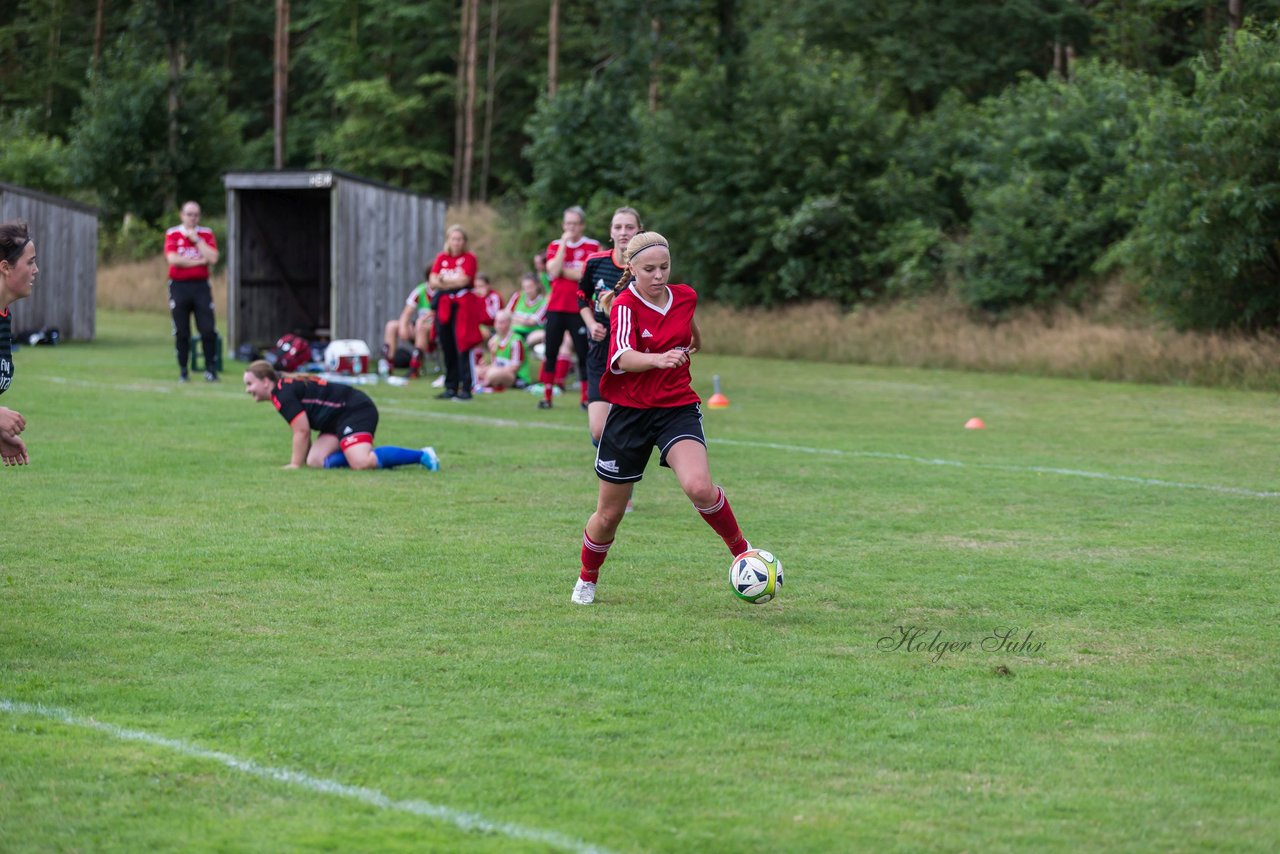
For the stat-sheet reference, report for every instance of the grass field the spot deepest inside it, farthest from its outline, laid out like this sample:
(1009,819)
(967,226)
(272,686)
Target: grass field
(202,651)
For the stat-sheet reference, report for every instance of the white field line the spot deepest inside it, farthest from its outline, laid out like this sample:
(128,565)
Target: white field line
(773,446)
(467,821)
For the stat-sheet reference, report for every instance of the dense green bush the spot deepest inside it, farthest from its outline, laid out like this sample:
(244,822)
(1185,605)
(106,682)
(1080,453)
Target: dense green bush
(765,177)
(584,148)
(1040,179)
(1205,186)
(28,158)
(120,143)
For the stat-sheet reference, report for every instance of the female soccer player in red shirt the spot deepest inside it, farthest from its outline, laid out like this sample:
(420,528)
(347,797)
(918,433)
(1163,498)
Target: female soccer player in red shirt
(652,337)
(565,259)
(452,275)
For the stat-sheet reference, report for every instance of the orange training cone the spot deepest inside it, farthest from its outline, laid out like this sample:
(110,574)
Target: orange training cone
(717,400)
(974,424)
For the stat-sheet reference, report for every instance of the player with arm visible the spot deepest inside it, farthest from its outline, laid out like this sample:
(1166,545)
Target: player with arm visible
(652,337)
(452,275)
(344,417)
(18,271)
(565,259)
(414,325)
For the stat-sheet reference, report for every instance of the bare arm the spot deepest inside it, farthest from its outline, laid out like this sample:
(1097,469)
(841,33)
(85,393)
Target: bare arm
(630,360)
(11,423)
(301,441)
(695,340)
(208,254)
(594,330)
(555,265)
(13,451)
(406,322)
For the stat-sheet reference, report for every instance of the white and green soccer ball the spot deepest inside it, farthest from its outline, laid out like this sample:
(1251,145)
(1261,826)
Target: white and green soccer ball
(756,576)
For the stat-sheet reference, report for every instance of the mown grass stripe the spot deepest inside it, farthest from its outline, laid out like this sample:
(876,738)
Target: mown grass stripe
(774,446)
(467,821)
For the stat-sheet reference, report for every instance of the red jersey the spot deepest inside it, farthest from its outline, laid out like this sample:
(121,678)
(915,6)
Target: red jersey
(452,268)
(176,241)
(640,325)
(564,292)
(492,305)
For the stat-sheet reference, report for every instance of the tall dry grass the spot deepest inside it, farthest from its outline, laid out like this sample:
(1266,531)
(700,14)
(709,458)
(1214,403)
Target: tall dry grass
(143,286)
(936,332)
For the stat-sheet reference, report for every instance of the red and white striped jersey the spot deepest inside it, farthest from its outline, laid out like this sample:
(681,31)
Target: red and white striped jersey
(637,324)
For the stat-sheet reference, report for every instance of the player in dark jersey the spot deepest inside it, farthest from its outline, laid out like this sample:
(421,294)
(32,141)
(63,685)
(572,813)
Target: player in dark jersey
(345,418)
(595,293)
(17,277)
(652,337)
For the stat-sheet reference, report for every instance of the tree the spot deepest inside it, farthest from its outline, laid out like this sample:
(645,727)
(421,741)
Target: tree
(553,49)
(469,103)
(490,100)
(1205,191)
(125,146)
(280,88)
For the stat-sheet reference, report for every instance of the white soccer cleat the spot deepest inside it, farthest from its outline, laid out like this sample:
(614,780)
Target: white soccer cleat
(584,592)
(430,460)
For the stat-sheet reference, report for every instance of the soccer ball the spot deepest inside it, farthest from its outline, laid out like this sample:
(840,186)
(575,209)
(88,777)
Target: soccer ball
(756,576)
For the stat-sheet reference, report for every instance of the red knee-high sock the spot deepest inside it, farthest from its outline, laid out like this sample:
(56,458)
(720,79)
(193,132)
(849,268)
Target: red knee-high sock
(546,378)
(562,370)
(593,555)
(721,519)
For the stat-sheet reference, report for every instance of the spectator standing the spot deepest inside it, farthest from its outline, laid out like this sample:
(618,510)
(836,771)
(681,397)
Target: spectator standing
(565,260)
(452,275)
(191,249)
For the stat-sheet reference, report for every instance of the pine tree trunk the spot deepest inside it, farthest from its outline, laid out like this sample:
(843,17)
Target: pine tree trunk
(553,48)
(490,96)
(459,100)
(98,23)
(1235,14)
(655,63)
(280,81)
(177,59)
(52,57)
(469,130)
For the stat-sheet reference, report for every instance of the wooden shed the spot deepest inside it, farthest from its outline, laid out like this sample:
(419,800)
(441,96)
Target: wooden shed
(323,254)
(66,238)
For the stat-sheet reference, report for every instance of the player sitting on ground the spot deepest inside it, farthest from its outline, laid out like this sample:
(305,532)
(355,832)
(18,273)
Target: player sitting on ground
(345,418)
(413,325)
(506,356)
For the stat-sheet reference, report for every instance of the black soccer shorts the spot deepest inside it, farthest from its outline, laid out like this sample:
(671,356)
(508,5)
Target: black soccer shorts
(630,435)
(597,359)
(355,421)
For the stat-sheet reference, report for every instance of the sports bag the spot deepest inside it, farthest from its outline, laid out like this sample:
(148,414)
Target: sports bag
(292,352)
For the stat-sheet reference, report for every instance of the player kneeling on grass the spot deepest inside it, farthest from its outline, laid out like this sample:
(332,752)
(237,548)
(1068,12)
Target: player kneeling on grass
(345,418)
(653,404)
